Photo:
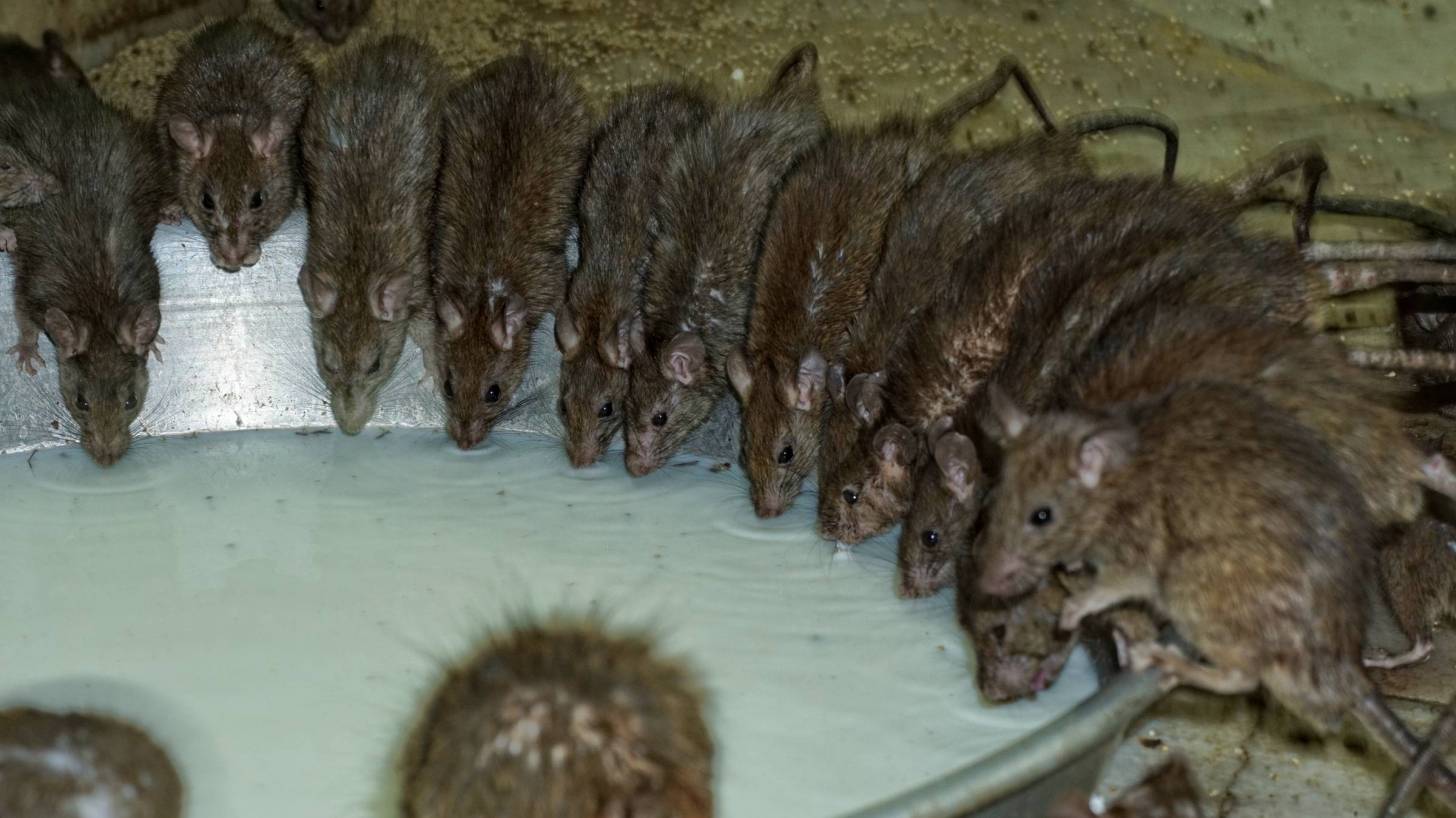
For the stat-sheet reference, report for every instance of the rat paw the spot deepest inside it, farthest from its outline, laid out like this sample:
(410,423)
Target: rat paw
(7,240)
(27,358)
(1156,656)
(156,348)
(1419,652)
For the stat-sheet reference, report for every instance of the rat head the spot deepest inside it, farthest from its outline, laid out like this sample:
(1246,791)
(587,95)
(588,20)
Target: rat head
(943,507)
(103,374)
(781,414)
(594,363)
(237,182)
(1054,466)
(22,181)
(334,20)
(867,486)
(1020,651)
(483,349)
(359,326)
(667,398)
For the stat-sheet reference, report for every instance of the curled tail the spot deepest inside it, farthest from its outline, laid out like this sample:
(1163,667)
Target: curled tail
(1391,733)
(1009,68)
(1116,119)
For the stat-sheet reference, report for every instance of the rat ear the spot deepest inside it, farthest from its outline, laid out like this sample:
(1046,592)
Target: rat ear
(682,359)
(509,318)
(68,336)
(796,76)
(865,398)
(895,444)
(1010,419)
(452,317)
(1104,450)
(568,337)
(319,294)
(616,349)
(834,381)
(808,387)
(739,373)
(266,139)
(960,469)
(190,138)
(138,328)
(390,298)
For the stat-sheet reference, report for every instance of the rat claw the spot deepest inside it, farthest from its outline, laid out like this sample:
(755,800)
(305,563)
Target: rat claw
(27,358)
(156,348)
(1419,652)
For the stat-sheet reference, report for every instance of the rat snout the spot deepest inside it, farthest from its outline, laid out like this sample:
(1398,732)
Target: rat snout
(583,454)
(352,411)
(467,433)
(768,505)
(232,253)
(639,465)
(106,449)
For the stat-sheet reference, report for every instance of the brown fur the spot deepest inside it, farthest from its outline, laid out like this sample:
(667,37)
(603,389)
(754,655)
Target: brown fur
(1167,792)
(721,181)
(74,765)
(560,719)
(228,117)
(516,135)
(371,145)
(1418,577)
(617,219)
(334,20)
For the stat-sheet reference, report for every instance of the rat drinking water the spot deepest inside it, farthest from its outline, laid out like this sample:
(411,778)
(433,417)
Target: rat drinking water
(371,148)
(334,20)
(562,719)
(720,183)
(617,218)
(516,134)
(228,115)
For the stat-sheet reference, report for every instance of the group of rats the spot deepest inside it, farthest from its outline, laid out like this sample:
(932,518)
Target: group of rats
(1088,401)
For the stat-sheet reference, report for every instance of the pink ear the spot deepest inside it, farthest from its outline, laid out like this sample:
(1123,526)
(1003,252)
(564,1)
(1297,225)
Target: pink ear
(683,358)
(139,327)
(1012,420)
(69,337)
(190,138)
(319,295)
(809,385)
(568,337)
(510,317)
(452,317)
(616,348)
(390,299)
(863,395)
(739,374)
(267,138)
(1102,451)
(955,454)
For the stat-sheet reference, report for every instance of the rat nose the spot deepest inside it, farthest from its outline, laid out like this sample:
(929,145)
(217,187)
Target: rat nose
(768,506)
(467,434)
(637,465)
(583,455)
(999,575)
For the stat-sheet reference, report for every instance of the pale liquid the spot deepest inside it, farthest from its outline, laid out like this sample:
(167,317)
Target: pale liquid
(274,607)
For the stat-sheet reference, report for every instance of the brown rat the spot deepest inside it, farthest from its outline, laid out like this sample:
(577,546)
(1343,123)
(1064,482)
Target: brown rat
(24,66)
(616,218)
(1202,495)
(562,719)
(334,20)
(371,148)
(79,766)
(516,134)
(84,269)
(228,116)
(721,181)
(1418,577)
(1167,792)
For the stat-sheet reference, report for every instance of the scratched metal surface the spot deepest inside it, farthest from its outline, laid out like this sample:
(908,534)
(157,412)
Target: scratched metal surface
(238,356)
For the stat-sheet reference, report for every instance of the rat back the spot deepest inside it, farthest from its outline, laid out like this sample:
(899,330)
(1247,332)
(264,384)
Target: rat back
(562,719)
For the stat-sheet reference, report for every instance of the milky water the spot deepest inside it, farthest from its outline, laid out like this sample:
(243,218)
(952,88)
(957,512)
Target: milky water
(274,606)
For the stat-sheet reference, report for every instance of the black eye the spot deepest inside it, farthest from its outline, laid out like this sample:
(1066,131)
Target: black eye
(605,410)
(207,203)
(850,496)
(998,632)
(257,200)
(930,537)
(130,403)
(786,455)
(319,4)
(6,167)
(374,368)
(81,402)
(493,393)
(659,419)
(449,388)
(1041,516)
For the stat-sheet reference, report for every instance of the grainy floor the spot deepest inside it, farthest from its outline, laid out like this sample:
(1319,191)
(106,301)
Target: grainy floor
(1374,81)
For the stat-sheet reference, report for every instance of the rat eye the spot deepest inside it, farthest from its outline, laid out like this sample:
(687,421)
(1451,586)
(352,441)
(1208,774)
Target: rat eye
(319,5)
(257,200)
(207,203)
(449,388)
(850,496)
(605,410)
(374,367)
(493,393)
(659,419)
(1041,516)
(998,633)
(130,403)
(786,455)
(81,402)
(930,537)
(6,166)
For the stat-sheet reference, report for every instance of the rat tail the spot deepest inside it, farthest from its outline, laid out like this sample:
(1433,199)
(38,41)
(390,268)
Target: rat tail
(1116,119)
(1408,786)
(944,119)
(1390,732)
(1307,157)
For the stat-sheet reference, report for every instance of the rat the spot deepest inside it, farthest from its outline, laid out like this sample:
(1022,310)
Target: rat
(617,218)
(1170,791)
(84,272)
(80,765)
(720,183)
(516,135)
(371,151)
(25,66)
(334,20)
(822,243)
(562,719)
(1418,578)
(1203,494)
(228,116)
